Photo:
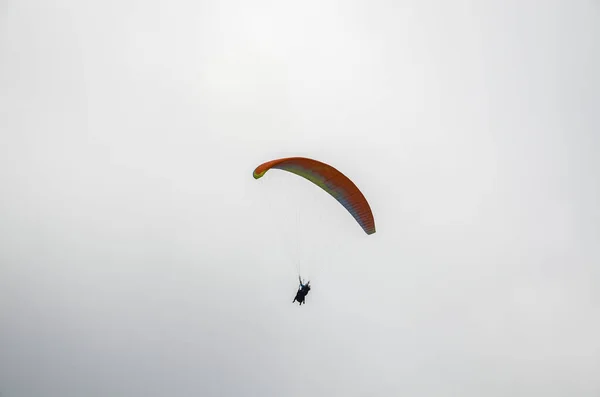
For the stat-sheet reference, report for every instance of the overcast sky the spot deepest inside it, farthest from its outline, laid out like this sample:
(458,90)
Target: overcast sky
(139,258)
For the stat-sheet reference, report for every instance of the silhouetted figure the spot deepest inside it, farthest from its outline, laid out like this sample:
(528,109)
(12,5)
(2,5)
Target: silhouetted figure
(302,292)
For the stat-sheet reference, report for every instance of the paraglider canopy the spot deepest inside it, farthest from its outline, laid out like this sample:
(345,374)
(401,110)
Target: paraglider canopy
(330,180)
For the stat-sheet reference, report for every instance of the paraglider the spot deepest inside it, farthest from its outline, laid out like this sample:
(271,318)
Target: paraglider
(303,290)
(338,185)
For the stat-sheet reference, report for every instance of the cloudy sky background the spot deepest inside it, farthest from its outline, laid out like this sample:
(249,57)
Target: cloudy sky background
(138,256)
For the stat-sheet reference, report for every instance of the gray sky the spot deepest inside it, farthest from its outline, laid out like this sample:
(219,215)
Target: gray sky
(140,258)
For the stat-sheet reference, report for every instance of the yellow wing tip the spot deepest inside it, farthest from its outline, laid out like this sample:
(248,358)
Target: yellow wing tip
(258,175)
